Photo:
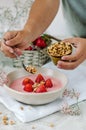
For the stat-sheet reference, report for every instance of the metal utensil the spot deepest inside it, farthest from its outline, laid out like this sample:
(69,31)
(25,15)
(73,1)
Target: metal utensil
(30,69)
(18,58)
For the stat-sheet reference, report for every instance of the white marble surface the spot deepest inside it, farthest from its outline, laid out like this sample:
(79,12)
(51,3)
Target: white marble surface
(59,121)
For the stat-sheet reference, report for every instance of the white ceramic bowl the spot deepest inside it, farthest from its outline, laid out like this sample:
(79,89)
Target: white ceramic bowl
(36,98)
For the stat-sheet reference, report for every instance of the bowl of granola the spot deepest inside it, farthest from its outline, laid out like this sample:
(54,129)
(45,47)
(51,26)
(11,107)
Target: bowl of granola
(45,86)
(59,49)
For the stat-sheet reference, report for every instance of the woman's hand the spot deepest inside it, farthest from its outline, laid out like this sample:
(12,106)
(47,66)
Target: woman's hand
(39,18)
(78,56)
(14,39)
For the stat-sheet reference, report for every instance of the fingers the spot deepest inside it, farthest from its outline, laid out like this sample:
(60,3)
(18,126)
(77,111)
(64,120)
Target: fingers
(12,39)
(70,65)
(10,35)
(75,56)
(18,40)
(71,61)
(18,51)
(67,65)
(8,51)
(72,40)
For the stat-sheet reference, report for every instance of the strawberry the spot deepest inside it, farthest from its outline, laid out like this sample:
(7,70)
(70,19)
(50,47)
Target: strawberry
(48,83)
(28,87)
(29,48)
(41,89)
(39,78)
(30,82)
(39,42)
(26,81)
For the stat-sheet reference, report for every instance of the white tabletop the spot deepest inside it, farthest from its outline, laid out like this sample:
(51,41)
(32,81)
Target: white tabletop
(56,121)
(52,122)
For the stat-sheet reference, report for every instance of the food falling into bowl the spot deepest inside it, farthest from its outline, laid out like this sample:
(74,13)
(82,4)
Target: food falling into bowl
(31,69)
(59,49)
(37,83)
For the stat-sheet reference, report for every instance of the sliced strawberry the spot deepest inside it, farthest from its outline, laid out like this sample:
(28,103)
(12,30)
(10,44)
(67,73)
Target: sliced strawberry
(30,82)
(28,88)
(48,83)
(29,48)
(41,89)
(26,81)
(39,78)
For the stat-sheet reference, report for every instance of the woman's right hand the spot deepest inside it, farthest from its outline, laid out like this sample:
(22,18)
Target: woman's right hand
(14,39)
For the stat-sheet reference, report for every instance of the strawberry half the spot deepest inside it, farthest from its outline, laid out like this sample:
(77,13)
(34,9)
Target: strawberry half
(26,81)
(30,82)
(48,83)
(28,88)
(39,78)
(41,89)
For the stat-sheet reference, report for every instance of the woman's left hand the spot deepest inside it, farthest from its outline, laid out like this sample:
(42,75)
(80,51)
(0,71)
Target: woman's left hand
(75,59)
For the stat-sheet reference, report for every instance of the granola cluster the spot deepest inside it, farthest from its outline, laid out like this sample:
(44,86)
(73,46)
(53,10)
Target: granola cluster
(7,121)
(59,49)
(31,69)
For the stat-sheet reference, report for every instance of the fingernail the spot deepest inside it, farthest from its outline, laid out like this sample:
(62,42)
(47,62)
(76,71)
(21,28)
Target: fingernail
(63,58)
(11,51)
(7,42)
(58,66)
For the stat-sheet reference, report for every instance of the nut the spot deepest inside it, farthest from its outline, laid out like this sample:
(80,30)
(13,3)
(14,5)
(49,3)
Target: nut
(31,69)
(59,49)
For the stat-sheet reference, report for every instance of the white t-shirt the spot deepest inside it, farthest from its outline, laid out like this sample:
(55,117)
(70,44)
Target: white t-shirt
(74,12)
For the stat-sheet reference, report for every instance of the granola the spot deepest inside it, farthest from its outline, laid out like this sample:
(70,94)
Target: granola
(59,49)
(31,69)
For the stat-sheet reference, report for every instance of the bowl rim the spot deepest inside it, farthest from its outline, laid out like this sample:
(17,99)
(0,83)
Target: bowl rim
(37,94)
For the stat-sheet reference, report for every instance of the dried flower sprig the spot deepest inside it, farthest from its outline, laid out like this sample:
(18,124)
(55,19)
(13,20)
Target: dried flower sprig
(71,110)
(71,94)
(74,109)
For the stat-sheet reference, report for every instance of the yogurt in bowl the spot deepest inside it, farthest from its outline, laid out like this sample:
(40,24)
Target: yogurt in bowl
(15,88)
(19,86)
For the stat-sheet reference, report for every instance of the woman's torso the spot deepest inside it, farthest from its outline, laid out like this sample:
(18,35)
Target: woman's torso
(75,14)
